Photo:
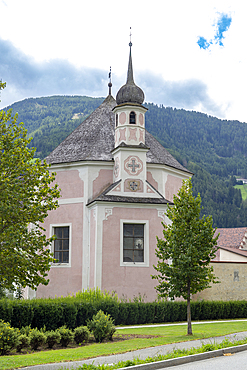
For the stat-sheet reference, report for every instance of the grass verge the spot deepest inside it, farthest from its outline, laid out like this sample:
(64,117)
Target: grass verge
(166,335)
(174,354)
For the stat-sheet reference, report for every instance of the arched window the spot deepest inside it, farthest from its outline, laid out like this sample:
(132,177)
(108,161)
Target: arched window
(132,118)
(116,120)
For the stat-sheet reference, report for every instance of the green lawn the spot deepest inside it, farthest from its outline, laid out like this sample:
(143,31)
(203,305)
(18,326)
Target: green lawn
(243,189)
(166,334)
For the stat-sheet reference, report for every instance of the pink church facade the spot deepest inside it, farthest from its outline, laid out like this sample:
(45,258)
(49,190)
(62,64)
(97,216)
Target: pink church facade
(116,181)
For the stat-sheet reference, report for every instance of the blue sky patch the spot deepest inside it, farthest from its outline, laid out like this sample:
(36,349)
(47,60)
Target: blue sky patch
(203,43)
(222,26)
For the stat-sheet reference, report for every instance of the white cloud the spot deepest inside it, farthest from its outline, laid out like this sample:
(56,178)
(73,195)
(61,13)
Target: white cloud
(91,36)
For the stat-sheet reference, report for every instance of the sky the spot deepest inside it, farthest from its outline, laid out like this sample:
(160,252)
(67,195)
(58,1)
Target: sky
(186,54)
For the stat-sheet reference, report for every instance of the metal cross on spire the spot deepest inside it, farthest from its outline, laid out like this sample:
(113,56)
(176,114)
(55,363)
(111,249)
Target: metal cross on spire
(110,84)
(130,44)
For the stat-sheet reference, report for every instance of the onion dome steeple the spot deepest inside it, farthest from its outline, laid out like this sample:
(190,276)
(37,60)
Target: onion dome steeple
(130,92)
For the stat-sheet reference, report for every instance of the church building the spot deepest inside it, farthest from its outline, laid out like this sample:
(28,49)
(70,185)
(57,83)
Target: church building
(116,181)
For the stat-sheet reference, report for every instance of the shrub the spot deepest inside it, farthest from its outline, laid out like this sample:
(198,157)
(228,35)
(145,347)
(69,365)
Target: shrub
(48,312)
(37,338)
(52,338)
(69,313)
(8,337)
(66,336)
(22,313)
(101,326)
(24,342)
(25,330)
(81,334)
(85,312)
(122,318)
(5,310)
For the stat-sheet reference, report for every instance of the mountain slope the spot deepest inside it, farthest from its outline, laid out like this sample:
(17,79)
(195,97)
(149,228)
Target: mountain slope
(214,150)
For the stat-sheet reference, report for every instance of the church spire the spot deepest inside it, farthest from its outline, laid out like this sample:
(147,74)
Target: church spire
(130,92)
(130,78)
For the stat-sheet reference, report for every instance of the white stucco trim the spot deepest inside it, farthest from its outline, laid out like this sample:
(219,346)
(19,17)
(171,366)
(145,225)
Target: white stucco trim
(79,165)
(126,205)
(169,170)
(100,216)
(163,216)
(146,243)
(85,242)
(52,226)
(70,200)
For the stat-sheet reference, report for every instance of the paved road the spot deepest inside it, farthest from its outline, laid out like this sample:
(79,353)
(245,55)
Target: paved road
(235,361)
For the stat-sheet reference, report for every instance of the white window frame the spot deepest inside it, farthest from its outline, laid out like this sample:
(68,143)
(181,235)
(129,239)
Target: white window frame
(52,227)
(146,243)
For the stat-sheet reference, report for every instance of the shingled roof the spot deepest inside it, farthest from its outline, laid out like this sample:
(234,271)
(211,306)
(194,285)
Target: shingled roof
(105,197)
(93,140)
(232,240)
(231,237)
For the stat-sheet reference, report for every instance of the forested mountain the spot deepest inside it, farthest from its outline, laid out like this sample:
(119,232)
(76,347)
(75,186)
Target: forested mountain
(50,120)
(214,150)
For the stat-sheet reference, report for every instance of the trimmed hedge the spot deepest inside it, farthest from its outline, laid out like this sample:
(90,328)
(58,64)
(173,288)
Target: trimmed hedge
(74,312)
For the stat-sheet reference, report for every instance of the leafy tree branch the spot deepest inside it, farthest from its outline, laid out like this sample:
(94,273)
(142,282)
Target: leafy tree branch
(26,196)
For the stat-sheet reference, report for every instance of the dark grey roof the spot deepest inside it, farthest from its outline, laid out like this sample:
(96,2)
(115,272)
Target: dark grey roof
(93,140)
(122,199)
(104,197)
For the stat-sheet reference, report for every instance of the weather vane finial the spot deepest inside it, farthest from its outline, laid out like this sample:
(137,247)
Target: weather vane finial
(110,76)
(130,44)
(110,84)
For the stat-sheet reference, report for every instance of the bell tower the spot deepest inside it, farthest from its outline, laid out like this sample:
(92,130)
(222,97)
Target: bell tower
(130,149)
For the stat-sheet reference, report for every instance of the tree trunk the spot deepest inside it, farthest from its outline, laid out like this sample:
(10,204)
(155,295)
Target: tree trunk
(189,331)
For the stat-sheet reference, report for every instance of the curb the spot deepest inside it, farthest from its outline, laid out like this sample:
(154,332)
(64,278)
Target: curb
(148,366)
(187,359)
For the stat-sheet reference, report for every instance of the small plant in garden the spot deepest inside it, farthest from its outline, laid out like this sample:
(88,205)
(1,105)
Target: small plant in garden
(24,342)
(101,326)
(8,337)
(139,298)
(25,330)
(52,337)
(37,338)
(81,334)
(67,336)
(43,330)
(93,295)
(208,347)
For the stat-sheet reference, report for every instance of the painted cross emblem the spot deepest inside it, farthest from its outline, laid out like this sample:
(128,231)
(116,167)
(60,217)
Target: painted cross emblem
(133,165)
(133,185)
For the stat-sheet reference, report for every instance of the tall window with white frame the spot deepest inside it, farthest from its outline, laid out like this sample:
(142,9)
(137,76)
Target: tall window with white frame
(133,243)
(61,244)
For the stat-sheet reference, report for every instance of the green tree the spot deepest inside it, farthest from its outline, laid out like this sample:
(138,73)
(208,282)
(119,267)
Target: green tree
(2,85)
(26,196)
(186,250)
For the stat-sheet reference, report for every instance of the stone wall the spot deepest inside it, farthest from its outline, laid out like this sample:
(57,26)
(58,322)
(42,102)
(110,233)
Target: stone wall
(233,282)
